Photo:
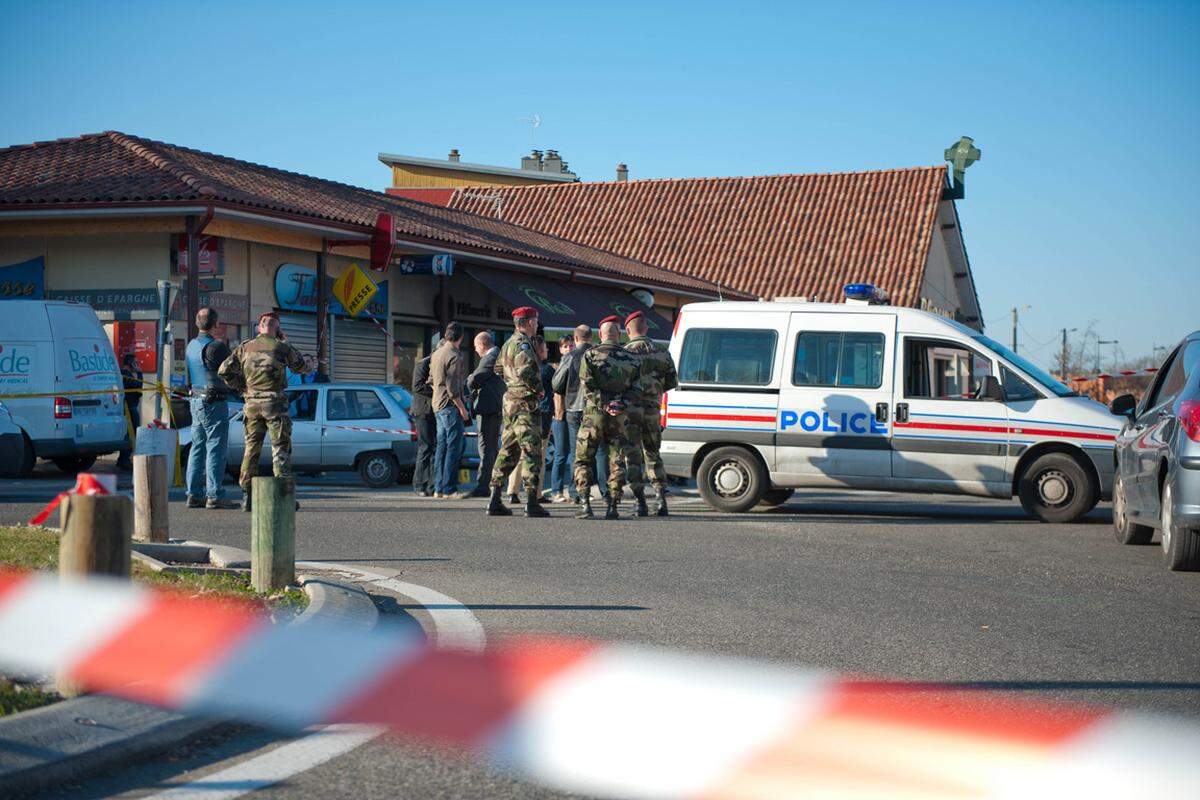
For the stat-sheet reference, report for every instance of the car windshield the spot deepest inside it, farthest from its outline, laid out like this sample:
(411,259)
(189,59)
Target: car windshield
(1032,370)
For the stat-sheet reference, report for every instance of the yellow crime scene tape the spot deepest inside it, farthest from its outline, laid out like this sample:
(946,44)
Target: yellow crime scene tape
(595,718)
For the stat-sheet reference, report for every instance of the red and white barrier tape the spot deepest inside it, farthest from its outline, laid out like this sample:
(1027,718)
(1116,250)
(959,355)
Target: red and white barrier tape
(601,719)
(1124,373)
(85,483)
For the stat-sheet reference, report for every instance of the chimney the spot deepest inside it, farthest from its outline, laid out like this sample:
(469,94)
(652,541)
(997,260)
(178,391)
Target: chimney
(533,161)
(553,162)
(454,155)
(622,173)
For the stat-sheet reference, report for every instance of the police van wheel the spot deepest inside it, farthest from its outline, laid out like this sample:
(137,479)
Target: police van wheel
(74,464)
(1057,488)
(776,497)
(731,479)
(378,470)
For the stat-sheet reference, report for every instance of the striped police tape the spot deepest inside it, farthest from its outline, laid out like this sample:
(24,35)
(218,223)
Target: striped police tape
(601,719)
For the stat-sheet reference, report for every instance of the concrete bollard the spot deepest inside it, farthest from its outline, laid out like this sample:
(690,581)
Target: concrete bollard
(150,507)
(272,534)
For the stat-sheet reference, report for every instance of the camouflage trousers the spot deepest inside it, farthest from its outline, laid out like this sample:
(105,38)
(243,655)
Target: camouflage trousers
(596,430)
(520,441)
(263,415)
(645,425)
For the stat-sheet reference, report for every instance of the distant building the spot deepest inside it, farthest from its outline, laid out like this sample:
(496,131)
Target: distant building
(433,180)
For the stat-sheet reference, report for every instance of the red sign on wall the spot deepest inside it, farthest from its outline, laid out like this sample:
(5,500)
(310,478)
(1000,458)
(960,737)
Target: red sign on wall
(210,255)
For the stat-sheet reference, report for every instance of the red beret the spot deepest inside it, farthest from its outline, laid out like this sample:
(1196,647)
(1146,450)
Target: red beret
(524,312)
(610,318)
(633,316)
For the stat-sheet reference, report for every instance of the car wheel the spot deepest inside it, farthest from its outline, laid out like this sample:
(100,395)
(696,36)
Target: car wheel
(1057,488)
(1125,529)
(731,479)
(1181,547)
(776,497)
(74,464)
(378,470)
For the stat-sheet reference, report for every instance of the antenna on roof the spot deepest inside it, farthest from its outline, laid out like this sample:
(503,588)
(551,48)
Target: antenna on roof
(535,122)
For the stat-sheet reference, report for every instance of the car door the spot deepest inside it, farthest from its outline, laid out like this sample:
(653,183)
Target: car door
(347,411)
(943,435)
(306,431)
(836,395)
(1150,433)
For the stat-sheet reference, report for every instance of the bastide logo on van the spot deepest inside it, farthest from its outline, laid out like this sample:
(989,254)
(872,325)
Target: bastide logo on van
(843,422)
(85,365)
(15,365)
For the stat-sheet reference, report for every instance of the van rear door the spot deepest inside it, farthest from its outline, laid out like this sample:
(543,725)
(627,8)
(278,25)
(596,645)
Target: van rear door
(85,364)
(836,394)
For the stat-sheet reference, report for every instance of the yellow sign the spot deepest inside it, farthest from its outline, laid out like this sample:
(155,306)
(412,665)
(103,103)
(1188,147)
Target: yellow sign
(354,289)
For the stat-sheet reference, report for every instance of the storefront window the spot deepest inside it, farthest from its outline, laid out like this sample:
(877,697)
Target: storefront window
(410,344)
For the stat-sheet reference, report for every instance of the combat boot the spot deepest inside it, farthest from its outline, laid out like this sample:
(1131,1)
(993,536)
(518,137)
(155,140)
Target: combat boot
(246,502)
(533,508)
(640,495)
(496,507)
(585,506)
(660,508)
(611,511)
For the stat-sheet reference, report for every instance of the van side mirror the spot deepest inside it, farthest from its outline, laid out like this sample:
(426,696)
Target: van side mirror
(1123,405)
(990,389)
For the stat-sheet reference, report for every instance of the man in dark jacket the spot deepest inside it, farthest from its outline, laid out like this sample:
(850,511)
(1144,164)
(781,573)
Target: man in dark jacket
(566,383)
(425,423)
(487,402)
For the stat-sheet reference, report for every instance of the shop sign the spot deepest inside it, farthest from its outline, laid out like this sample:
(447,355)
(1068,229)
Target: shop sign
(441,264)
(116,300)
(354,289)
(229,306)
(296,290)
(210,255)
(23,281)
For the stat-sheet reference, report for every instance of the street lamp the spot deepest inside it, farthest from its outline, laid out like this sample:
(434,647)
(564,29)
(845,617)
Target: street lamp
(1105,341)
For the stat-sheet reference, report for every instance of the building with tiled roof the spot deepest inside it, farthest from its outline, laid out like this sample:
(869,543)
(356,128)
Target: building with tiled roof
(101,218)
(769,236)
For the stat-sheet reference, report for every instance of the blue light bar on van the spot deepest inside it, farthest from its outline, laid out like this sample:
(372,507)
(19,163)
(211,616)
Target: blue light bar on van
(865,292)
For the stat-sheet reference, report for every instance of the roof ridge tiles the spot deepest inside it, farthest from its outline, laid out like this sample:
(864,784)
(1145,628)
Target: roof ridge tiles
(142,149)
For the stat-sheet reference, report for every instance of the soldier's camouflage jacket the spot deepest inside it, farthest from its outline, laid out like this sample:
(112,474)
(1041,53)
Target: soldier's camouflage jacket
(257,368)
(658,372)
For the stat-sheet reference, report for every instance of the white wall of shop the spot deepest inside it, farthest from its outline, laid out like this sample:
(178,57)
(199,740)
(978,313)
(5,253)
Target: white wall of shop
(94,261)
(939,286)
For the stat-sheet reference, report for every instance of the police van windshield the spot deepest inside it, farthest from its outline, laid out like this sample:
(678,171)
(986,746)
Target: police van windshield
(1037,373)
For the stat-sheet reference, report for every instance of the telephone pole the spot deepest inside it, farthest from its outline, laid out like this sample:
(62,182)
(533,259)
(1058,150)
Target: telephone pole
(1015,312)
(1063,359)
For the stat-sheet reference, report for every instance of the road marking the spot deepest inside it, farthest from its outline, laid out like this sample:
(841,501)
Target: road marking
(274,766)
(453,626)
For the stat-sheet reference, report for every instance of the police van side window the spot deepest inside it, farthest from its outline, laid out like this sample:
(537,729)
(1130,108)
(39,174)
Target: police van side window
(853,360)
(728,356)
(1015,387)
(942,370)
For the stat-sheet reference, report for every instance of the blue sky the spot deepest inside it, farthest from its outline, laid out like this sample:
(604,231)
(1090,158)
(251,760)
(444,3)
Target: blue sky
(1084,206)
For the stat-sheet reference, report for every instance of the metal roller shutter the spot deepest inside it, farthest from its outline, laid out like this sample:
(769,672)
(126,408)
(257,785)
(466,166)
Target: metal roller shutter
(360,352)
(301,331)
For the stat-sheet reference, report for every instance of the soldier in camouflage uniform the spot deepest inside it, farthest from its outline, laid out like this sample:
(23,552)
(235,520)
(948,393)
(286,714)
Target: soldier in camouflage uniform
(521,437)
(257,370)
(608,376)
(658,377)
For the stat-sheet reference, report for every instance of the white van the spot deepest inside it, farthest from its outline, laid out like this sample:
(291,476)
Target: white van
(778,395)
(59,350)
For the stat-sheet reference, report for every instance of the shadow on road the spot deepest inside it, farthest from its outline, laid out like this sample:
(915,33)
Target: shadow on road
(888,687)
(520,607)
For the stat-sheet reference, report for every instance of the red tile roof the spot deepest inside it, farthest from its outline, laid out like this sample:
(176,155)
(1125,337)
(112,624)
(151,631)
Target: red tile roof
(769,236)
(115,168)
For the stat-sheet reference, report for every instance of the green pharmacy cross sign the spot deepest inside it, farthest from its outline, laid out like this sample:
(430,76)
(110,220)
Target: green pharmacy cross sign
(961,155)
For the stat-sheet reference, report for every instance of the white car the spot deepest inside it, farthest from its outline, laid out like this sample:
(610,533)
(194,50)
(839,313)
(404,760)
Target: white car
(59,352)
(778,395)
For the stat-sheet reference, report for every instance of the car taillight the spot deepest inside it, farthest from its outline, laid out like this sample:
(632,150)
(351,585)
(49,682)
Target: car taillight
(62,408)
(1189,417)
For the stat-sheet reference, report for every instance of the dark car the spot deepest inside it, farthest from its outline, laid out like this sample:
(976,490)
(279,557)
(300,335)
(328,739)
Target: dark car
(1157,484)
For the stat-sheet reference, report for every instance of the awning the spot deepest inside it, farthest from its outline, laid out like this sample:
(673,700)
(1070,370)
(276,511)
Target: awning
(565,305)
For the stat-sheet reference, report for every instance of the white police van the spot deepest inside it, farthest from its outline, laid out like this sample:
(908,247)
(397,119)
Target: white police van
(58,352)
(779,395)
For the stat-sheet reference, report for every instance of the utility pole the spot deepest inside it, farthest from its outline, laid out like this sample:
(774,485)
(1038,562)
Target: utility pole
(1015,313)
(1063,358)
(1099,342)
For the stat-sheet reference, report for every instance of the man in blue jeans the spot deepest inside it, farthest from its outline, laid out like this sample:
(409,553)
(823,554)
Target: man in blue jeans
(448,373)
(210,416)
(564,444)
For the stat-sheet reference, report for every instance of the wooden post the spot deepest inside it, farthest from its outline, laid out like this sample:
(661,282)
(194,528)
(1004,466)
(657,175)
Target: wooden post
(150,516)
(96,531)
(272,534)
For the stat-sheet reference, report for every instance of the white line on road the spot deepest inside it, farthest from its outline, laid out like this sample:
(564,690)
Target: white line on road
(453,626)
(275,765)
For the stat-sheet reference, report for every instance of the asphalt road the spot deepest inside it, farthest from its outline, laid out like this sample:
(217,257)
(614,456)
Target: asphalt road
(929,588)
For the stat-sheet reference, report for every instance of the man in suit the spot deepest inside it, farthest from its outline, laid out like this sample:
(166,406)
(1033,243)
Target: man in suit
(487,403)
(425,423)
